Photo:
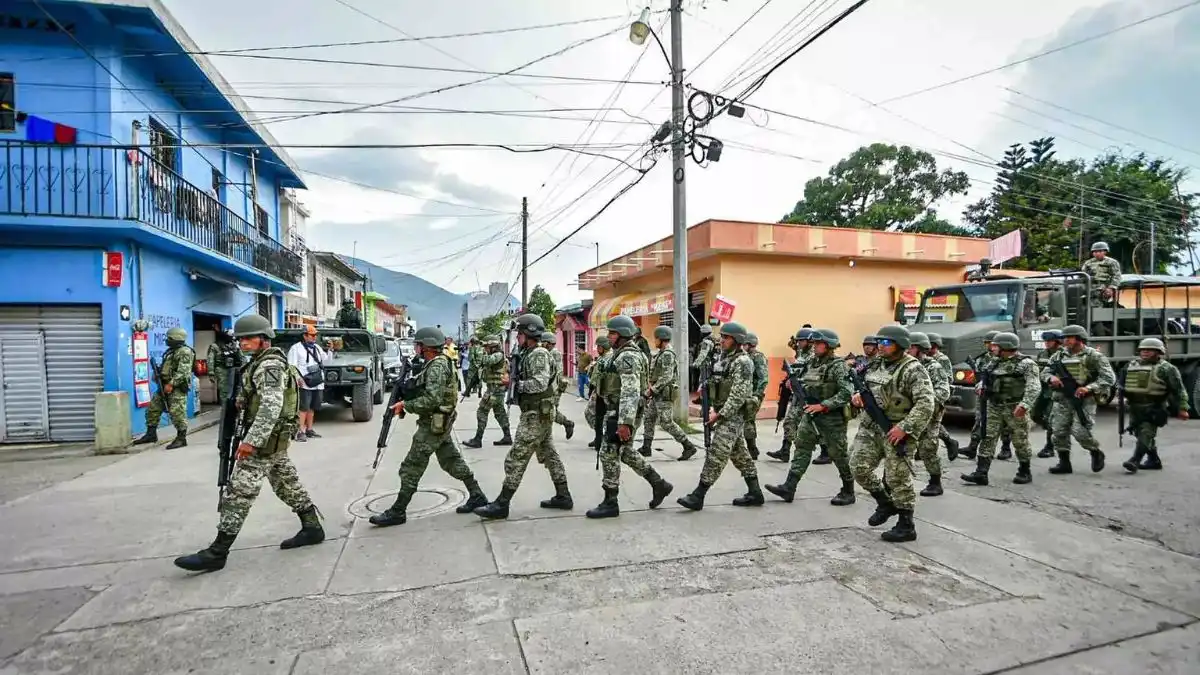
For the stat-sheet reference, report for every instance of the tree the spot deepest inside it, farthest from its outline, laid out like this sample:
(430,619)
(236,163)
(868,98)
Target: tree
(492,325)
(542,304)
(882,187)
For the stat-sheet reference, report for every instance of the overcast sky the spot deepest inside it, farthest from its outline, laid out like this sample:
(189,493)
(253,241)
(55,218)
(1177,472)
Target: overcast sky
(455,227)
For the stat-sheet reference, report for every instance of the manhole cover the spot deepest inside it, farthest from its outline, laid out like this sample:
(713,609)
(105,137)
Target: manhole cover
(426,502)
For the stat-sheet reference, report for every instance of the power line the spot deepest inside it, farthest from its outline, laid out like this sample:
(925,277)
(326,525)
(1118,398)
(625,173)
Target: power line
(730,36)
(1039,55)
(775,44)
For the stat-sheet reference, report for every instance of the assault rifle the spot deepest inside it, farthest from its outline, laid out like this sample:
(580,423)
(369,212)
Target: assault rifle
(510,397)
(1121,411)
(230,433)
(1069,386)
(407,370)
(705,401)
(985,392)
(785,398)
(878,416)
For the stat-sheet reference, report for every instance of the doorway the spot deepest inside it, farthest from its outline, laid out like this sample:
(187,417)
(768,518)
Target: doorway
(204,334)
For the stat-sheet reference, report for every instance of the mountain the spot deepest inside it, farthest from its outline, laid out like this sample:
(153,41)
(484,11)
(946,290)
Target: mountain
(428,304)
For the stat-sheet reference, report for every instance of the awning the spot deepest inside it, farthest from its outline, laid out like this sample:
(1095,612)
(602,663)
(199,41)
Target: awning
(603,310)
(642,304)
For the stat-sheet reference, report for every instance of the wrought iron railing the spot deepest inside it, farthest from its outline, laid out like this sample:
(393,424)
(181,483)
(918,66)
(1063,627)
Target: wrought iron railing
(116,182)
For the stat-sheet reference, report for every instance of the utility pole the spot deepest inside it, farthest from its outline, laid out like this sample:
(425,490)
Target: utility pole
(679,214)
(525,253)
(1151,248)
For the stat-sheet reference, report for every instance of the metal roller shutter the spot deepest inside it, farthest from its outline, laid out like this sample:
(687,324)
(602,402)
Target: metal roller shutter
(74,362)
(23,416)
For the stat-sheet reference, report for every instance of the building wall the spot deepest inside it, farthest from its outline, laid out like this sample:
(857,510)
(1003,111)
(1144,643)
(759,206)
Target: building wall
(322,273)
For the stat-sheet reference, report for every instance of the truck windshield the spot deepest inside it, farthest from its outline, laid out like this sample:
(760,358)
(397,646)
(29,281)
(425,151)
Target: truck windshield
(973,302)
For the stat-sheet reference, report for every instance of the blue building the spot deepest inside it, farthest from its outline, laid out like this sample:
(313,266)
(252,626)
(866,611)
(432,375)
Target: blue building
(132,185)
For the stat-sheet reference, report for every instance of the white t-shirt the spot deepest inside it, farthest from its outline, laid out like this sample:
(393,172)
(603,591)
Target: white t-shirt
(304,355)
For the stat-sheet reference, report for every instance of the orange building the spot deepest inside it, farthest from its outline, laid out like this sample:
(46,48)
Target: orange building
(780,277)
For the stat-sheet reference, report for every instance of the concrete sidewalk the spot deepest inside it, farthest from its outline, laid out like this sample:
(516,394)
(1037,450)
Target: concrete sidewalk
(87,585)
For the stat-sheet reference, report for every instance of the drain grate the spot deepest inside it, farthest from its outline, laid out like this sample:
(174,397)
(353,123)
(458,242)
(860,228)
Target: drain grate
(426,502)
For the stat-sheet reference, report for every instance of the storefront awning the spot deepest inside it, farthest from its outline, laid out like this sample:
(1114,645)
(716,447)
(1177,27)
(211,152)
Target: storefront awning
(631,305)
(603,310)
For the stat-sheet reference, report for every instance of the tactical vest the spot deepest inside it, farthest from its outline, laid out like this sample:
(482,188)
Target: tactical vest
(1143,381)
(610,379)
(289,415)
(721,382)
(814,381)
(1009,385)
(656,366)
(418,384)
(1075,366)
(1044,356)
(492,374)
(528,401)
(884,385)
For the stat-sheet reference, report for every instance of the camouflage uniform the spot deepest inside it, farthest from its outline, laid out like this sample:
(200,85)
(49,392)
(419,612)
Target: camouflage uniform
(731,393)
(761,377)
(1015,383)
(1105,273)
(1090,368)
(948,368)
(903,390)
(826,381)
(704,351)
(556,380)
(493,368)
(218,373)
(589,411)
(927,443)
(176,369)
(432,395)
(660,407)
(476,354)
(1041,410)
(791,421)
(1155,391)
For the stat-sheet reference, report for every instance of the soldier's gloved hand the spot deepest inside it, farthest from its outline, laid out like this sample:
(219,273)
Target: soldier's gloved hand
(815,409)
(1055,382)
(1019,411)
(624,432)
(896,435)
(398,408)
(1082,392)
(244,450)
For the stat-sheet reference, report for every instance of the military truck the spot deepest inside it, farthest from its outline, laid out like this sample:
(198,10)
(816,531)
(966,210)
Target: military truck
(1146,306)
(354,372)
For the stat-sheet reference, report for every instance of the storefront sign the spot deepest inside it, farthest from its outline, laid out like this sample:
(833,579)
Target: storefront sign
(114,268)
(141,369)
(722,309)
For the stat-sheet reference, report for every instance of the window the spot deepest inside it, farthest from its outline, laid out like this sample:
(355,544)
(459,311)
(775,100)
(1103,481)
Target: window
(1043,304)
(164,147)
(981,303)
(260,218)
(264,305)
(580,341)
(343,293)
(329,299)
(8,103)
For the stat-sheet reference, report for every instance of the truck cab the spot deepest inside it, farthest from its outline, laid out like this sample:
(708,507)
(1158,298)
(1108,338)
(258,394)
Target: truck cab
(1145,306)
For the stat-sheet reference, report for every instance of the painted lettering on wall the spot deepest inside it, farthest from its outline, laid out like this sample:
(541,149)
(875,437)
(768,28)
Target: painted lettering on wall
(159,325)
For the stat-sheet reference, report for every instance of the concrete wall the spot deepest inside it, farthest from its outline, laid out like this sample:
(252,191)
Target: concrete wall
(320,274)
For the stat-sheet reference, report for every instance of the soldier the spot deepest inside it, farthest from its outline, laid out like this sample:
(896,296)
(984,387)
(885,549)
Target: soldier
(556,380)
(731,393)
(661,395)
(270,407)
(603,350)
(804,352)
(1155,391)
(475,355)
(493,371)
(624,379)
(760,392)
(827,390)
(535,397)
(223,356)
(1105,273)
(1094,376)
(870,351)
(927,443)
(433,395)
(176,371)
(706,346)
(982,364)
(903,390)
(1052,339)
(936,344)
(1015,387)
(349,316)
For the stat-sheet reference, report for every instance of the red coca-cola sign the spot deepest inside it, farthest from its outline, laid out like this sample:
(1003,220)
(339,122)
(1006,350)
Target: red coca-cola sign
(114,268)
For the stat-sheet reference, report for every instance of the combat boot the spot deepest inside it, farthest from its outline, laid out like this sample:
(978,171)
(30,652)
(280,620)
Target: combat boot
(823,457)
(180,440)
(498,509)
(475,441)
(1064,464)
(1047,450)
(475,497)
(689,450)
(787,490)
(311,532)
(971,450)
(934,488)
(783,454)
(951,445)
(561,499)
(1151,462)
(980,475)
(570,427)
(904,530)
(505,440)
(396,514)
(1097,460)
(752,448)
(151,436)
(659,487)
(210,559)
(609,508)
(884,508)
(695,500)
(845,496)
(1023,476)
(592,444)
(1005,450)
(645,450)
(753,496)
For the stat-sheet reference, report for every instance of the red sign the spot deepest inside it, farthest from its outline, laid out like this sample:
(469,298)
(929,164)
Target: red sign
(114,268)
(722,309)
(358,300)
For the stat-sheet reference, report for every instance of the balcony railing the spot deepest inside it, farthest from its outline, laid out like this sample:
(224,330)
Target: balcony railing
(117,182)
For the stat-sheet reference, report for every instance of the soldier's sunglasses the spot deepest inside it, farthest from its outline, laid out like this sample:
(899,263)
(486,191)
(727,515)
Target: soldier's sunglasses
(883,342)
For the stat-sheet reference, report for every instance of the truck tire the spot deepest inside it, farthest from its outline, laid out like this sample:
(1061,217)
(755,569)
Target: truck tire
(360,403)
(377,397)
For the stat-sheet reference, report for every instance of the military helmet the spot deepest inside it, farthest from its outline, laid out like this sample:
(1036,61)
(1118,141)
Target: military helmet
(429,336)
(752,339)
(1007,341)
(491,341)
(1052,335)
(603,341)
(936,340)
(919,339)
(870,340)
(622,325)
(1100,246)
(804,334)
(1075,331)
(897,334)
(662,333)
(736,331)
(176,334)
(1153,343)
(706,329)
(828,336)
(530,325)
(989,336)
(549,337)
(253,325)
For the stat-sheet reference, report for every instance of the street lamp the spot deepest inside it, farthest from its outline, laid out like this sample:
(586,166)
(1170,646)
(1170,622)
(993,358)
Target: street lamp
(640,28)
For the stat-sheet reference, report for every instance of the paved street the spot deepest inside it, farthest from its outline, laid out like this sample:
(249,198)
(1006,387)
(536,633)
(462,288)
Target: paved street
(1080,574)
